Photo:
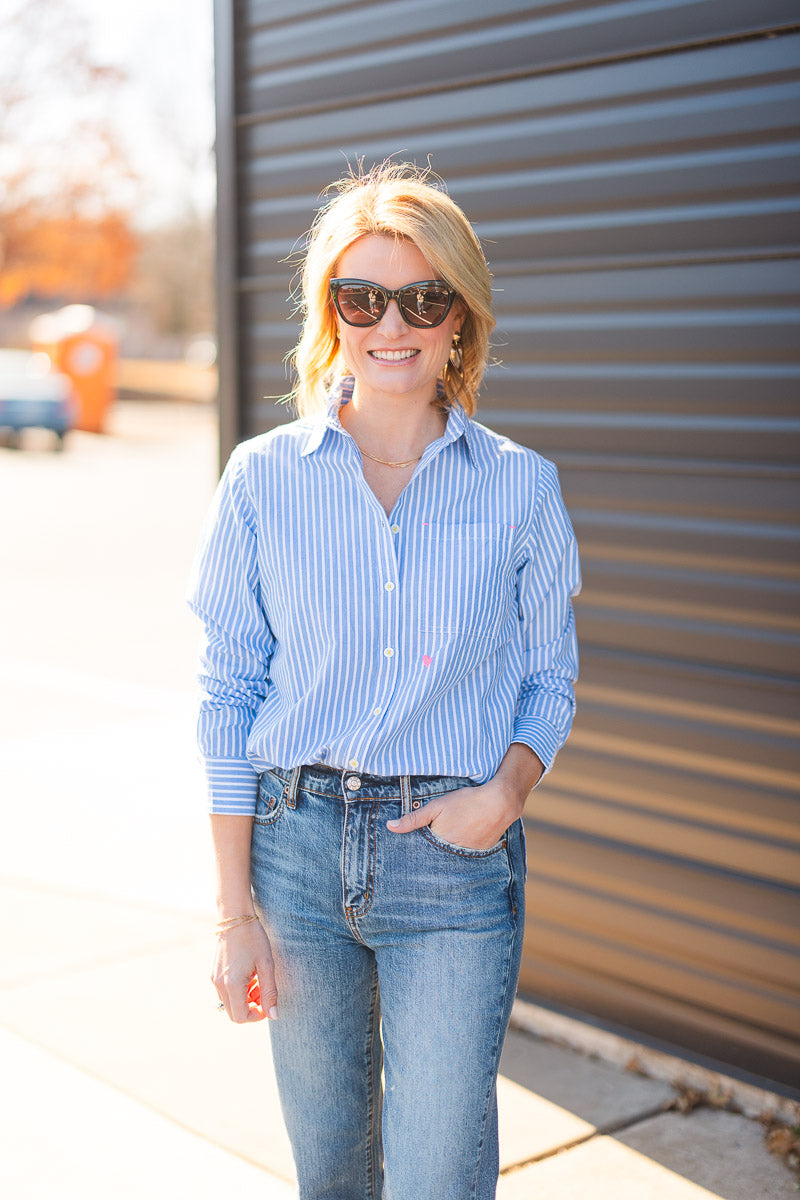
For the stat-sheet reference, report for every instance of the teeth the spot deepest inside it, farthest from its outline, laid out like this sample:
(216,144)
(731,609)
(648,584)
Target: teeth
(393,355)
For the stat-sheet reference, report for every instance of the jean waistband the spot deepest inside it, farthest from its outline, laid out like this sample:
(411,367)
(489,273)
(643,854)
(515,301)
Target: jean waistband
(352,785)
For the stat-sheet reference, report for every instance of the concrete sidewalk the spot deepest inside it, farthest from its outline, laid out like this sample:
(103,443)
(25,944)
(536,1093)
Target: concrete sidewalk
(119,1077)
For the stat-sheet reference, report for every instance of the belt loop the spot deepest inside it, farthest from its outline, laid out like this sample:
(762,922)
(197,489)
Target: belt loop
(405,795)
(291,788)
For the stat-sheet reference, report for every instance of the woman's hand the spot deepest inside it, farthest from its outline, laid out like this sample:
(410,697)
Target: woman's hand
(477,817)
(473,817)
(244,974)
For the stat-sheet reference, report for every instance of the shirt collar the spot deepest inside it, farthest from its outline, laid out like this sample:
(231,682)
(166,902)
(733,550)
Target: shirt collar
(458,423)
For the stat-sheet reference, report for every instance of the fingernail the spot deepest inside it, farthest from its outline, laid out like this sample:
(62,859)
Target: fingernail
(392,824)
(273,1013)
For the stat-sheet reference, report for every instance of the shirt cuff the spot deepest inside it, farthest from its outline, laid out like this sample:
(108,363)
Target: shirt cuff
(542,738)
(232,786)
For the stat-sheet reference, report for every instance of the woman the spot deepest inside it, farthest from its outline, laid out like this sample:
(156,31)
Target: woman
(387,672)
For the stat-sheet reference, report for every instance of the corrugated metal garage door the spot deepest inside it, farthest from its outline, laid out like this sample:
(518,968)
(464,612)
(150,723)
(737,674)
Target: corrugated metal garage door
(632,169)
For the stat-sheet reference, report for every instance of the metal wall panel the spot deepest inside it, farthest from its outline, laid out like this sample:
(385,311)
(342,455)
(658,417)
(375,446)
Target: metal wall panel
(633,171)
(305,55)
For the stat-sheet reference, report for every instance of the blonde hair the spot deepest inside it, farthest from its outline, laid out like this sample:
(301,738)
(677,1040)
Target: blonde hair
(394,200)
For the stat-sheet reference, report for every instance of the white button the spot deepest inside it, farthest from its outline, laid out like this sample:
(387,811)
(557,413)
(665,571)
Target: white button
(354,763)
(377,711)
(395,529)
(389,586)
(353,782)
(388,652)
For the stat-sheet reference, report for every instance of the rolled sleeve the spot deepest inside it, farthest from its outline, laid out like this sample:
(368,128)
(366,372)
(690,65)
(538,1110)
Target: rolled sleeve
(237,647)
(546,583)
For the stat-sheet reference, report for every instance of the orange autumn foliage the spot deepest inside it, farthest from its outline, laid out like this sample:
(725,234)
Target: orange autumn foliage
(70,254)
(65,182)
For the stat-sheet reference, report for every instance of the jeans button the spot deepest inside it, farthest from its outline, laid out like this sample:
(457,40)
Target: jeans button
(415,803)
(353,783)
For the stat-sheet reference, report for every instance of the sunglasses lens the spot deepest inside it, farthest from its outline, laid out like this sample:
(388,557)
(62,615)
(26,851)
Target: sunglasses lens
(360,305)
(425,307)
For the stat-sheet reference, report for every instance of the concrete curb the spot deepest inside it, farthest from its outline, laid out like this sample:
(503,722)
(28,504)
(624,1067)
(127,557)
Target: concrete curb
(722,1091)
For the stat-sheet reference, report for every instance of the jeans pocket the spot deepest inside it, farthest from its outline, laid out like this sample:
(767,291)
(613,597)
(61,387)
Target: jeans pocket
(271,799)
(453,784)
(461,851)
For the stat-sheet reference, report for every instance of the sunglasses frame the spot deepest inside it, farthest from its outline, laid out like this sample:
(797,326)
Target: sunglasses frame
(336,284)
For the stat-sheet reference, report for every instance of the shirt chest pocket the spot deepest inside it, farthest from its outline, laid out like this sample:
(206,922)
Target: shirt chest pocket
(466,577)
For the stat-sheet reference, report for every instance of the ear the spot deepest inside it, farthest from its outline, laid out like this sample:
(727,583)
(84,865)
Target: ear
(460,313)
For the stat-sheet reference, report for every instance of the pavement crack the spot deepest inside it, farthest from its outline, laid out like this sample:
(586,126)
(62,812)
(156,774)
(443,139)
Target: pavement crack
(606,1130)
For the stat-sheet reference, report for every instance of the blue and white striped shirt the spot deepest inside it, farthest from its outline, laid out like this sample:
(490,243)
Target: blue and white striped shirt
(421,643)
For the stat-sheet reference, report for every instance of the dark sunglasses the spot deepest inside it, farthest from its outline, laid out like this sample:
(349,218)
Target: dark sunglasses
(423,305)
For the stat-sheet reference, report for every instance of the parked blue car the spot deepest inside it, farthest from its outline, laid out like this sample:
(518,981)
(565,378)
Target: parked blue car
(33,396)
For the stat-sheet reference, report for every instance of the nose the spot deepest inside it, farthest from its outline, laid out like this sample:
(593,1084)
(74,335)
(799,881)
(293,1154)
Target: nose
(392,322)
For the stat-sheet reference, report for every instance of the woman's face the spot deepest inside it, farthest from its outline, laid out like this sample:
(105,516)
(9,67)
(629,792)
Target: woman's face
(393,358)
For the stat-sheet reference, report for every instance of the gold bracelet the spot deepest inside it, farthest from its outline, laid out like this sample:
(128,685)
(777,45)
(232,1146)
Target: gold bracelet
(233,923)
(228,928)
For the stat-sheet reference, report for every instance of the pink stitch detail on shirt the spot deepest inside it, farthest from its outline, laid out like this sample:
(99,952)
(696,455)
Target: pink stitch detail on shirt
(426,660)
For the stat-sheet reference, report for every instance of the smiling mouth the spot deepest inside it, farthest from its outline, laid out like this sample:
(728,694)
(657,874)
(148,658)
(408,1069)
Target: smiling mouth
(392,355)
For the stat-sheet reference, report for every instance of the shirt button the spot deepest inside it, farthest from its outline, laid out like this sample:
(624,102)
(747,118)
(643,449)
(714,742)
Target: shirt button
(354,763)
(353,783)
(389,586)
(377,711)
(395,529)
(388,652)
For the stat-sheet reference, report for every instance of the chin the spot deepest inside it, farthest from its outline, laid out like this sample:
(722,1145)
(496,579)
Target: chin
(404,379)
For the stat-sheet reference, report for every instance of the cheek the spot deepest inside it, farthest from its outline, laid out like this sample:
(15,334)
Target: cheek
(447,343)
(347,343)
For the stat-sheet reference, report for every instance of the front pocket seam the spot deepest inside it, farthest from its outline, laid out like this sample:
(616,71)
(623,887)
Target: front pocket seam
(483,531)
(439,843)
(272,816)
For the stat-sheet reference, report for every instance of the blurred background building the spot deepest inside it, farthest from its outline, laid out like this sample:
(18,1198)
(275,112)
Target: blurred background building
(632,170)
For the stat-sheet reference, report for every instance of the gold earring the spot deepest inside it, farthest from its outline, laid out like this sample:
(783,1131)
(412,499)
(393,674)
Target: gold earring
(456,353)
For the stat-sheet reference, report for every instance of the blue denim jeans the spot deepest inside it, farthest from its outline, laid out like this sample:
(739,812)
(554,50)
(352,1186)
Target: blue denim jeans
(397,957)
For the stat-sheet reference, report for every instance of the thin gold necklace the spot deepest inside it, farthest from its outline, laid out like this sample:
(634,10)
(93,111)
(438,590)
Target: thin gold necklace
(384,462)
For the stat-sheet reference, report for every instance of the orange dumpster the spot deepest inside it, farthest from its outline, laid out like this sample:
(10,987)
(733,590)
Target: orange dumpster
(82,344)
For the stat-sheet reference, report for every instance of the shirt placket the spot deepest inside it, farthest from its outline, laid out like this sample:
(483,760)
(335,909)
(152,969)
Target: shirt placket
(391,532)
(388,646)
